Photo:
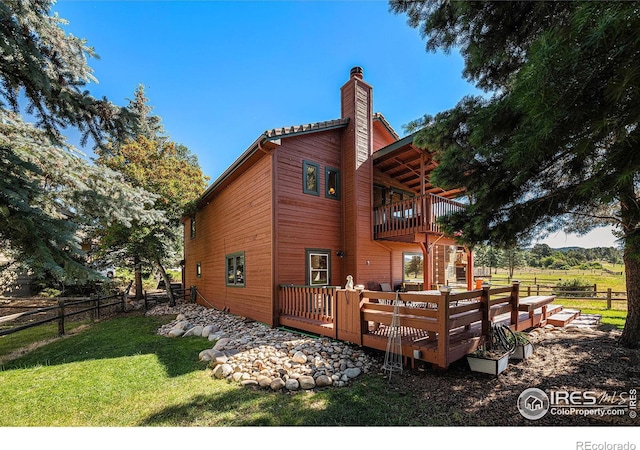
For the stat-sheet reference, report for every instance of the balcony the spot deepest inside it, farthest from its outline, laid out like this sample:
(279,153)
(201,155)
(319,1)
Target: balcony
(416,215)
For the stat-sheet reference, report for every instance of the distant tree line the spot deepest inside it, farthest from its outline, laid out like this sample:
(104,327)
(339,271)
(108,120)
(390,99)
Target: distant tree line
(544,257)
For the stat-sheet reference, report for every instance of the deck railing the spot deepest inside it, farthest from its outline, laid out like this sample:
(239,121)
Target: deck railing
(415,215)
(313,304)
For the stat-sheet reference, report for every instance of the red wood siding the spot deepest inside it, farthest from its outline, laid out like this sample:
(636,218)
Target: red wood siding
(237,219)
(305,221)
(381,136)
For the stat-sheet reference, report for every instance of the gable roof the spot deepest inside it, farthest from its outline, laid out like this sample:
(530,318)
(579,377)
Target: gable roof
(268,140)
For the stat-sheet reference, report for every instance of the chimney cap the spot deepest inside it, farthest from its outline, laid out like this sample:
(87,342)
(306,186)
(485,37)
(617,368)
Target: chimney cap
(357,72)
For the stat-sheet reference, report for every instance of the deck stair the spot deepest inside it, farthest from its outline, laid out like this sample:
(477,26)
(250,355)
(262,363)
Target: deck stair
(562,317)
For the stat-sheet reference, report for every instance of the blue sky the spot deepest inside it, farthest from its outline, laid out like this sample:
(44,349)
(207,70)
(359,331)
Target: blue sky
(219,73)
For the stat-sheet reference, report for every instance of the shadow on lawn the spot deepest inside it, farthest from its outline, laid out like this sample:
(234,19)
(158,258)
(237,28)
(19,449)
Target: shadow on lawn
(115,338)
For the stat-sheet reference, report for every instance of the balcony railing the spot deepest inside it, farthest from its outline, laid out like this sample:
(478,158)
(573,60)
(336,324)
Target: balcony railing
(415,215)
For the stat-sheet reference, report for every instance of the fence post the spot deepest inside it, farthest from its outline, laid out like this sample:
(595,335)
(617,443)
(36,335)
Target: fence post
(515,302)
(193,293)
(61,317)
(608,298)
(92,312)
(97,305)
(537,289)
(486,318)
(146,308)
(528,291)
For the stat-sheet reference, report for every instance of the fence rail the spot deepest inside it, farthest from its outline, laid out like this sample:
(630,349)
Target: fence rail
(94,306)
(61,311)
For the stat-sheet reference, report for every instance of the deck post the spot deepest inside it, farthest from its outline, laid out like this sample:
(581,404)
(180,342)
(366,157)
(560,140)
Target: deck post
(486,318)
(515,302)
(443,327)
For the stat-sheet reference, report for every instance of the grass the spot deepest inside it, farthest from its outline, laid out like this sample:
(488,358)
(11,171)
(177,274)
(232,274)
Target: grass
(120,373)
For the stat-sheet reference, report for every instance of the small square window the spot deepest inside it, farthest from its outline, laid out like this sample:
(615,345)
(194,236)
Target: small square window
(332,183)
(310,178)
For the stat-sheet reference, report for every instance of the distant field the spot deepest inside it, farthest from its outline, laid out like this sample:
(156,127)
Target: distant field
(611,276)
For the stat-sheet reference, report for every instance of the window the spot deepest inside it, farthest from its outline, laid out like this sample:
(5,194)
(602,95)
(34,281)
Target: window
(318,267)
(332,183)
(235,269)
(413,267)
(192,226)
(310,180)
(198,270)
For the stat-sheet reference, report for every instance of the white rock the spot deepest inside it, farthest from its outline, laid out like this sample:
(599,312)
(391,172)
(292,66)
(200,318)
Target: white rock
(206,331)
(222,371)
(299,357)
(306,382)
(194,331)
(175,332)
(292,385)
(264,381)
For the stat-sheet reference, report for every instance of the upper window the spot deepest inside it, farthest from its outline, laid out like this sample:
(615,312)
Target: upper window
(192,226)
(310,178)
(332,183)
(235,269)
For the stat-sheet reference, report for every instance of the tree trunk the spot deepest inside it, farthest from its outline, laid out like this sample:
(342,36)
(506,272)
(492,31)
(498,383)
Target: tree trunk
(137,267)
(167,283)
(630,215)
(631,334)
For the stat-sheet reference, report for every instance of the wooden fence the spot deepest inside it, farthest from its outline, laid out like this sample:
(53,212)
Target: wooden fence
(94,306)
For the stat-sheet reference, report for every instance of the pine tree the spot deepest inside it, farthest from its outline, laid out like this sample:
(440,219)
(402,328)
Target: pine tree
(50,197)
(555,142)
(39,61)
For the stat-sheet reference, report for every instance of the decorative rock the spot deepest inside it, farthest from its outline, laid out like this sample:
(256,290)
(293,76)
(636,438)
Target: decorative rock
(306,382)
(246,350)
(194,331)
(352,372)
(264,381)
(299,358)
(176,332)
(292,384)
(249,383)
(222,342)
(323,381)
(222,371)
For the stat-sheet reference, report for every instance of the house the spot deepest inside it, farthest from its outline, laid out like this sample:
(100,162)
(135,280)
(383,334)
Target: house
(309,205)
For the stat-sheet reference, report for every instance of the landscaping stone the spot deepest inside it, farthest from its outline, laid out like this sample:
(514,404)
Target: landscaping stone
(253,354)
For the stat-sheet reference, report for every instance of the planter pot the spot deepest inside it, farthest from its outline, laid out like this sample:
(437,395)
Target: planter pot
(522,351)
(488,365)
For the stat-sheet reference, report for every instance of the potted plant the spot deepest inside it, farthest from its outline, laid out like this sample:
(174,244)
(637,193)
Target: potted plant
(523,346)
(493,356)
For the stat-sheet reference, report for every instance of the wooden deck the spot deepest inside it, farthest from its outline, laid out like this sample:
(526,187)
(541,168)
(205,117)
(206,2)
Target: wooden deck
(437,329)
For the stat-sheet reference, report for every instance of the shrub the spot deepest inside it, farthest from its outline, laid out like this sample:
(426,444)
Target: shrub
(574,288)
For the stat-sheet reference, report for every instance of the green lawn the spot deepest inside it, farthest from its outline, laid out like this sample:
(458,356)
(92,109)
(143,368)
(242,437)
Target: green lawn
(121,373)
